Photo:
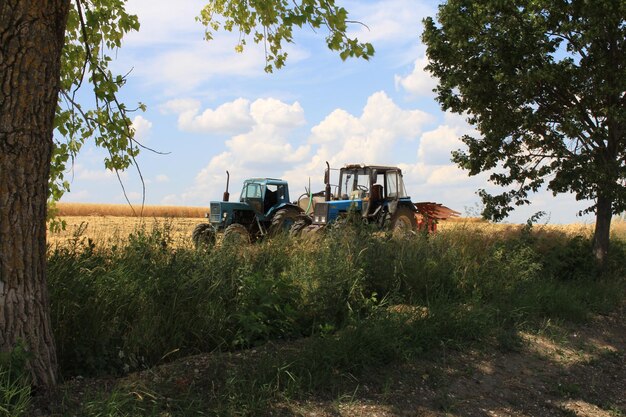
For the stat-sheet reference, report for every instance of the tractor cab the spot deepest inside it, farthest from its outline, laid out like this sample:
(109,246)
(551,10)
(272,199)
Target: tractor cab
(373,186)
(264,195)
(374,191)
(360,182)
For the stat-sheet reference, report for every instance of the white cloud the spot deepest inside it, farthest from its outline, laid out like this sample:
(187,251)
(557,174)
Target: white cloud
(164,23)
(135,198)
(179,106)
(265,149)
(169,51)
(142,127)
(275,113)
(437,145)
(433,176)
(419,82)
(447,175)
(260,118)
(82,173)
(171,200)
(229,118)
(389,20)
(342,137)
(76,196)
(373,137)
(162,178)
(185,68)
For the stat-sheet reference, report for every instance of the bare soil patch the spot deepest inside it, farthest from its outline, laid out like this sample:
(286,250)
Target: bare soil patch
(572,371)
(561,371)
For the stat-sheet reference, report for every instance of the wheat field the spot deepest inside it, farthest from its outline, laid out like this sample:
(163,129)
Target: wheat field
(108,224)
(126,210)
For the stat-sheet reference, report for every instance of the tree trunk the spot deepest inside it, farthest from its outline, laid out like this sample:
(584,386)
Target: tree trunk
(31,40)
(601,236)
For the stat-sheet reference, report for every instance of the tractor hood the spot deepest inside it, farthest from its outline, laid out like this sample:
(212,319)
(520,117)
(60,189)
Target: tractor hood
(219,209)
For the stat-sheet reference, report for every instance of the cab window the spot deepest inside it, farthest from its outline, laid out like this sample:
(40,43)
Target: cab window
(395,185)
(251,191)
(278,190)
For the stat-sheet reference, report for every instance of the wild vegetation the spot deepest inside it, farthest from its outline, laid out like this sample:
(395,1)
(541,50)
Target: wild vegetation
(75,98)
(334,308)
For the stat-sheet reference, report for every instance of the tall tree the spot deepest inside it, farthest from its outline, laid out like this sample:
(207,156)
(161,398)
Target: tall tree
(544,82)
(31,40)
(48,50)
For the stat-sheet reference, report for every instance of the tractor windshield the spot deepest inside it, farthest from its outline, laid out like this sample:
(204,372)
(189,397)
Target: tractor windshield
(354,184)
(252,194)
(251,190)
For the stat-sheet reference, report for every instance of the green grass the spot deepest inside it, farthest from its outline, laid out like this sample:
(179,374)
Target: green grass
(142,303)
(15,391)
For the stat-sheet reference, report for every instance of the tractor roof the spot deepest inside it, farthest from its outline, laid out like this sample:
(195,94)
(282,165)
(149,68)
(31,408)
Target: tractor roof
(376,167)
(274,181)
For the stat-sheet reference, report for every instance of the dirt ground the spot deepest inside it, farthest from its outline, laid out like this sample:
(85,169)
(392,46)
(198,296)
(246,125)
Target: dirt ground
(576,372)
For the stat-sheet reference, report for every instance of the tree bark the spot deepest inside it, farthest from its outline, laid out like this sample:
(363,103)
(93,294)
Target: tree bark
(601,236)
(31,40)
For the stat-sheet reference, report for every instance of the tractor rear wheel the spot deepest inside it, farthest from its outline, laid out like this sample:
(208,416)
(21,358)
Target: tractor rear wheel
(236,234)
(283,220)
(299,225)
(403,222)
(203,235)
(313,232)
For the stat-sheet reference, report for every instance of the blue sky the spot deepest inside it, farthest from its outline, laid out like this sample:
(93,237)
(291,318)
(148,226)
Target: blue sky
(212,109)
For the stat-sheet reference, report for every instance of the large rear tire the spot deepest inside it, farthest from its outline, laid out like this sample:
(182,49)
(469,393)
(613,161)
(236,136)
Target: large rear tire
(283,220)
(313,233)
(203,235)
(403,222)
(299,225)
(237,235)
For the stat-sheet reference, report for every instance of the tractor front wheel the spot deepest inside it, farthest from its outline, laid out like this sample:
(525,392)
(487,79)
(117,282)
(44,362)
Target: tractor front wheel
(236,234)
(203,235)
(283,220)
(403,222)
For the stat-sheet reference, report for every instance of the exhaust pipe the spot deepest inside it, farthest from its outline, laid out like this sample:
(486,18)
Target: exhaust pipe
(327,182)
(226,194)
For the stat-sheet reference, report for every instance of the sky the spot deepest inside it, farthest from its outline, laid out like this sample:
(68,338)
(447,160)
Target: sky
(211,109)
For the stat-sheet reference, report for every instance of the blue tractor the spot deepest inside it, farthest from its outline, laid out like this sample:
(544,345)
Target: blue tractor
(374,192)
(263,210)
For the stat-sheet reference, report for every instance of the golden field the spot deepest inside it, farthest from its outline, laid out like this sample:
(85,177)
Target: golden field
(125,210)
(109,230)
(108,223)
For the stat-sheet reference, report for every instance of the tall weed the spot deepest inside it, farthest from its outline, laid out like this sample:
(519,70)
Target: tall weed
(142,301)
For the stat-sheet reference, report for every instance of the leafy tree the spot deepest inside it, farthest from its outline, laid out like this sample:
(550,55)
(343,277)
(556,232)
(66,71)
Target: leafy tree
(544,82)
(49,49)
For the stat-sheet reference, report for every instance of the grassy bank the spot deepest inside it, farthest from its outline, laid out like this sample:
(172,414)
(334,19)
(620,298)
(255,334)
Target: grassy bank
(353,301)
